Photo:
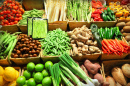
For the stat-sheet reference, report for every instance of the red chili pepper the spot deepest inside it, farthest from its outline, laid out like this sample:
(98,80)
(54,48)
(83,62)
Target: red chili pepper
(105,46)
(122,49)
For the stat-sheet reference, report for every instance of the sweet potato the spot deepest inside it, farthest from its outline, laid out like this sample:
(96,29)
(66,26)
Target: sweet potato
(126,70)
(91,76)
(111,81)
(105,84)
(92,68)
(84,69)
(99,77)
(117,84)
(118,76)
(126,29)
(121,24)
(128,84)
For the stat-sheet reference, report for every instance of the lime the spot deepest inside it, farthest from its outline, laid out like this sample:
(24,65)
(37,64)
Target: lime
(47,64)
(30,66)
(46,81)
(33,74)
(26,82)
(39,67)
(45,73)
(31,82)
(39,85)
(25,85)
(27,74)
(21,80)
(38,77)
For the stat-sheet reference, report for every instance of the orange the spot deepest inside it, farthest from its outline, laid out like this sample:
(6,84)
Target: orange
(9,74)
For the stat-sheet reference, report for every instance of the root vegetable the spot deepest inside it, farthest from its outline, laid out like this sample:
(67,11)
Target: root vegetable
(117,84)
(69,33)
(128,24)
(80,54)
(72,41)
(128,84)
(80,44)
(126,29)
(95,43)
(84,69)
(126,70)
(105,84)
(92,68)
(118,76)
(91,75)
(89,42)
(81,37)
(121,24)
(99,77)
(111,81)
(127,38)
(73,37)
(75,49)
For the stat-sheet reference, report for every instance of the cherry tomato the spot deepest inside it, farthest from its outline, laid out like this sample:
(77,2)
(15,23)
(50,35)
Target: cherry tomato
(2,23)
(11,23)
(12,18)
(19,12)
(20,18)
(9,15)
(12,4)
(15,7)
(6,21)
(1,18)
(16,19)
(16,2)
(5,12)
(10,1)
(14,11)
(8,11)
(20,15)
(15,22)
(0,8)
(5,16)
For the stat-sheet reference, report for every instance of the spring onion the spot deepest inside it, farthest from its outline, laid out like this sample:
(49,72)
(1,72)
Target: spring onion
(74,67)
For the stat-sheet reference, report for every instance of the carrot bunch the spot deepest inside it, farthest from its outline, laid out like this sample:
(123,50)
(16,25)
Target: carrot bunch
(117,47)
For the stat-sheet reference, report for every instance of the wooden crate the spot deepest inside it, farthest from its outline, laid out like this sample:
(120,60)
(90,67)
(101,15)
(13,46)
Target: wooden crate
(10,28)
(74,24)
(4,62)
(30,4)
(58,24)
(88,56)
(105,23)
(23,61)
(112,56)
(108,65)
(23,28)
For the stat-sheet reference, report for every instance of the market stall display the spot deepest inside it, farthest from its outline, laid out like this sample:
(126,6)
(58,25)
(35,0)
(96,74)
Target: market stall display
(84,35)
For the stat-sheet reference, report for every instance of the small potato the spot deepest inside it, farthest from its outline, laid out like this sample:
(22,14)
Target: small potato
(99,77)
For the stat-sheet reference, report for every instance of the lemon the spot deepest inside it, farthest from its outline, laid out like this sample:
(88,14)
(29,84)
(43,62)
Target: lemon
(1,71)
(2,81)
(9,74)
(17,75)
(13,83)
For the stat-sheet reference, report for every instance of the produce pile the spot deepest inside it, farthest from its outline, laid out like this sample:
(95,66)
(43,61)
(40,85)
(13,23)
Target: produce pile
(115,47)
(121,11)
(10,12)
(82,42)
(26,47)
(31,13)
(110,33)
(125,29)
(56,43)
(79,10)
(7,44)
(120,76)
(8,76)
(36,75)
(55,10)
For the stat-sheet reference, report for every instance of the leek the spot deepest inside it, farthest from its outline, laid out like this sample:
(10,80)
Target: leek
(74,67)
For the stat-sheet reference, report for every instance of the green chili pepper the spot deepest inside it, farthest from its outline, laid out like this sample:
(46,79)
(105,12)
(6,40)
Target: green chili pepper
(104,17)
(108,18)
(105,11)
(108,9)
(105,32)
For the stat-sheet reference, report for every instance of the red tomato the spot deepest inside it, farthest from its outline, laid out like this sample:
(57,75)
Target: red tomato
(16,19)
(5,12)
(1,18)
(16,2)
(0,8)
(20,15)
(2,23)
(9,15)
(12,18)
(20,18)
(10,1)
(5,16)
(11,23)
(19,12)
(15,7)
(15,22)
(8,11)
(6,21)
(2,13)
(14,11)
(12,4)
(17,15)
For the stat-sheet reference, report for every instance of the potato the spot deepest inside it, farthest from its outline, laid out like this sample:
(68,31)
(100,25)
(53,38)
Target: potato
(126,70)
(117,84)
(84,69)
(128,24)
(118,76)
(128,84)
(99,77)
(126,34)
(126,29)
(127,38)
(111,81)
(105,84)
(121,24)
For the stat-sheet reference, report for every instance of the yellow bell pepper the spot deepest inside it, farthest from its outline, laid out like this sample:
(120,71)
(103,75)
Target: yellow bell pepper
(119,14)
(126,13)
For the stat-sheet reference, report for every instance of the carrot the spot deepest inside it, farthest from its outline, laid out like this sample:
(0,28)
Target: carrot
(119,45)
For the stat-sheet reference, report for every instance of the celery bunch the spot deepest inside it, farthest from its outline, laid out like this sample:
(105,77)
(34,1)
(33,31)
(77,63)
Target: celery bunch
(79,10)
